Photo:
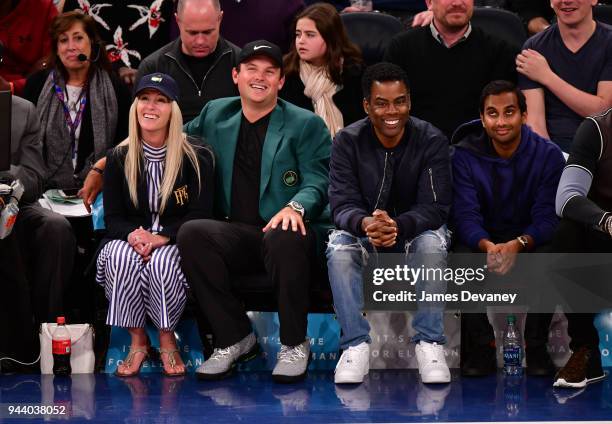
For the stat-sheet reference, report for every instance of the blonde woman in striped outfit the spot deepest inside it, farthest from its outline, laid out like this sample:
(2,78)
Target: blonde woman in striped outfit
(154,181)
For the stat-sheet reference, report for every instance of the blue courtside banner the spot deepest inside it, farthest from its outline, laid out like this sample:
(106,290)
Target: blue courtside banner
(603,323)
(324,333)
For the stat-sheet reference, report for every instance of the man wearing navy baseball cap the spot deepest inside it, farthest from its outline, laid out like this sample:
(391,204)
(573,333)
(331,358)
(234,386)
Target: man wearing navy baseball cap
(272,175)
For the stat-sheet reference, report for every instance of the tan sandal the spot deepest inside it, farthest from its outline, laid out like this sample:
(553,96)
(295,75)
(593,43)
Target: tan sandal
(129,359)
(171,361)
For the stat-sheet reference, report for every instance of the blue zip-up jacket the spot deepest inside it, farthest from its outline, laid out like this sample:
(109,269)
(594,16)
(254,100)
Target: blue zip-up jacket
(500,199)
(364,175)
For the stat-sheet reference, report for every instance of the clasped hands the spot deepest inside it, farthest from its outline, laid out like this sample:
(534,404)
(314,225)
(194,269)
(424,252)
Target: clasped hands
(380,228)
(144,242)
(501,256)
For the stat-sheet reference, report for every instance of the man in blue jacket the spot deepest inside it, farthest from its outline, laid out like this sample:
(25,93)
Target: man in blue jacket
(390,191)
(505,179)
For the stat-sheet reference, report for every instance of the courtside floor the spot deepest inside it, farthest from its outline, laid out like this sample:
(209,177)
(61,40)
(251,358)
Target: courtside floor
(386,396)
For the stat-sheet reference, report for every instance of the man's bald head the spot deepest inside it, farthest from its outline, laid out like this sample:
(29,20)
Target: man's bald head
(181,4)
(199,22)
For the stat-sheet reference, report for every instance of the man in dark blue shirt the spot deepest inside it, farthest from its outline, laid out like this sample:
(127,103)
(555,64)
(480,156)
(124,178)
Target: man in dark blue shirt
(566,72)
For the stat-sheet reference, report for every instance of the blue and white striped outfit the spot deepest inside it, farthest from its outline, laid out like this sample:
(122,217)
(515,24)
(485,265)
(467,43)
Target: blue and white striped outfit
(137,289)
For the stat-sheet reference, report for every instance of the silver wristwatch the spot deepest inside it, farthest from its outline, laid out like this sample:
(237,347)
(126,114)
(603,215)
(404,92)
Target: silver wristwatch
(296,206)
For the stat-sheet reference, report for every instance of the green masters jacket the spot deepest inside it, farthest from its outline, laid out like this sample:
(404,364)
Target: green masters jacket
(294,163)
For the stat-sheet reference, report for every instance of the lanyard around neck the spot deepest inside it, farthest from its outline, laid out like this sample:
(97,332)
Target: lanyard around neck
(72,124)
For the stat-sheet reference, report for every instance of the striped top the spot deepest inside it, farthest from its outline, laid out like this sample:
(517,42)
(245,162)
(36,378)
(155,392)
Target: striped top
(155,161)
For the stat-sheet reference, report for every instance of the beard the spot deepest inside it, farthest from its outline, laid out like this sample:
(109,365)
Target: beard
(457,21)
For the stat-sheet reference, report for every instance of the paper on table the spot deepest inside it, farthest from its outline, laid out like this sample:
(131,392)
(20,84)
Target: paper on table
(66,209)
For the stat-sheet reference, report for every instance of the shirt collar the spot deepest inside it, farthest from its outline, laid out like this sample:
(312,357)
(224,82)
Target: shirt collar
(438,37)
(154,154)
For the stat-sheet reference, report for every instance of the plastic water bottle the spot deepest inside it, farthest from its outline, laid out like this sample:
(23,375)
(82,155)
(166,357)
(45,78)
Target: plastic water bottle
(61,347)
(513,394)
(513,358)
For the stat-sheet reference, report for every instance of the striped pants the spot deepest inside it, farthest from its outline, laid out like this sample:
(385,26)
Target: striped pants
(135,288)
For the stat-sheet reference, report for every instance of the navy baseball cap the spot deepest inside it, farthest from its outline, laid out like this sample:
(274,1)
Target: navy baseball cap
(261,48)
(163,83)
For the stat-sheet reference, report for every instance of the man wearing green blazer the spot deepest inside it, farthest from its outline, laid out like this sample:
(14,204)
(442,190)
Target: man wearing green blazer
(272,161)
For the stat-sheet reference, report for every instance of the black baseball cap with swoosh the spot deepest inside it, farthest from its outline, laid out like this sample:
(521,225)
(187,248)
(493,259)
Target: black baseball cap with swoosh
(261,48)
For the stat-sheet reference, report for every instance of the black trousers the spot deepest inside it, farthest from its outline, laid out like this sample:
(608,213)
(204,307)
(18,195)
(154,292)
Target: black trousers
(573,237)
(476,329)
(211,251)
(48,245)
(18,336)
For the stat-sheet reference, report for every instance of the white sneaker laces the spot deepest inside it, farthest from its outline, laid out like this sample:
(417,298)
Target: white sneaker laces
(219,354)
(434,352)
(291,354)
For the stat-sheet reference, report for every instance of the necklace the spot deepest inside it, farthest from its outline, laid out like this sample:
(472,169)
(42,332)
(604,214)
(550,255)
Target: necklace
(73,97)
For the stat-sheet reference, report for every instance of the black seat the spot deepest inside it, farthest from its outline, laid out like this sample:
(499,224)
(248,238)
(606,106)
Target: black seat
(603,13)
(371,31)
(502,23)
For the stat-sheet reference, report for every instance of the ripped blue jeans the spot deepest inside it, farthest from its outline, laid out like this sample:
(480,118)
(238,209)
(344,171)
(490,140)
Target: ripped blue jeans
(346,256)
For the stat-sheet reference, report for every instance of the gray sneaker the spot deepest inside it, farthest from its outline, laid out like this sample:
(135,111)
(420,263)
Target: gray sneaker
(221,362)
(292,363)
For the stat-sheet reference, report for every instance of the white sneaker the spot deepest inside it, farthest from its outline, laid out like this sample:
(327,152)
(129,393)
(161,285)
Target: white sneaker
(354,398)
(292,363)
(354,364)
(432,363)
(430,399)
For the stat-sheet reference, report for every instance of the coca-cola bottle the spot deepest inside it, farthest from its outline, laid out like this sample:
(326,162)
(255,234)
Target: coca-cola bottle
(60,340)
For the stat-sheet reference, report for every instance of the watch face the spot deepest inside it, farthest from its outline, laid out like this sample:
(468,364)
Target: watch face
(296,206)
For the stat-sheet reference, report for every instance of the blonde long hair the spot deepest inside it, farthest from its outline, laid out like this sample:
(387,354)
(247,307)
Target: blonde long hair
(177,147)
